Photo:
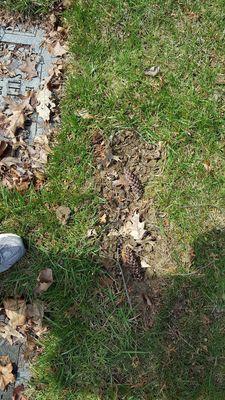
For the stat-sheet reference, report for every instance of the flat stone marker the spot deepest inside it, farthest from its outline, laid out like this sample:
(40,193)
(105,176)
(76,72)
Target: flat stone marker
(16,45)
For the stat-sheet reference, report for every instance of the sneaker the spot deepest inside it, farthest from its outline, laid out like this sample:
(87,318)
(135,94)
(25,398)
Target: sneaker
(11,250)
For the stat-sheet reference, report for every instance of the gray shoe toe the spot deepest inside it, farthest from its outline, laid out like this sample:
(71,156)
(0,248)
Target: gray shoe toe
(11,250)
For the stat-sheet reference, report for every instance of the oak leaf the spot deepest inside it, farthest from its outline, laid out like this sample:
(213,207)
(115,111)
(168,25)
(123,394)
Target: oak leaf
(6,375)
(134,227)
(15,310)
(45,279)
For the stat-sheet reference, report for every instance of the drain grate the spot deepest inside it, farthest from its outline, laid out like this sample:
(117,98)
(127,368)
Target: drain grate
(17,43)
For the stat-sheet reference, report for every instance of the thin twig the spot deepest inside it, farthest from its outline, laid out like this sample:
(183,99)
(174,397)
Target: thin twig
(123,278)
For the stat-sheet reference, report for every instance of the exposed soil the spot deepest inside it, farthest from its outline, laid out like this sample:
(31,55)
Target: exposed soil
(126,164)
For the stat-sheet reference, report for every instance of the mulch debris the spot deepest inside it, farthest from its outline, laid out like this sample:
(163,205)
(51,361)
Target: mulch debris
(132,243)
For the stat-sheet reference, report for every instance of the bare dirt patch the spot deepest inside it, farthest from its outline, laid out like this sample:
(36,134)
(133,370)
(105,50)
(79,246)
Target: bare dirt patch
(132,245)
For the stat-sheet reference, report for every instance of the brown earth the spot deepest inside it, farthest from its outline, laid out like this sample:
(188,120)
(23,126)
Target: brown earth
(125,165)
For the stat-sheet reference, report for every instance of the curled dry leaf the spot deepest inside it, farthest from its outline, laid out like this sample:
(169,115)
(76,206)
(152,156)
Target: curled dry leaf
(91,233)
(6,375)
(45,104)
(7,332)
(29,67)
(63,214)
(144,264)
(84,114)
(103,219)
(19,111)
(3,147)
(58,50)
(15,310)
(134,227)
(207,165)
(18,393)
(67,3)
(45,279)
(153,71)
(35,311)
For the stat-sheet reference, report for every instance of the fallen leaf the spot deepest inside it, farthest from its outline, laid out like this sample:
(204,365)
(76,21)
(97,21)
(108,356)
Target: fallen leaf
(3,147)
(134,227)
(29,67)
(35,311)
(15,310)
(45,104)
(9,161)
(16,121)
(84,114)
(207,165)
(67,3)
(63,214)
(7,332)
(18,393)
(58,50)
(91,233)
(153,71)
(144,264)
(220,80)
(6,375)
(19,111)
(103,219)
(45,279)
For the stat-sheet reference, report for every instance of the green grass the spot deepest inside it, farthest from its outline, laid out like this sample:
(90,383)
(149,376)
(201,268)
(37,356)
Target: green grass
(28,7)
(99,352)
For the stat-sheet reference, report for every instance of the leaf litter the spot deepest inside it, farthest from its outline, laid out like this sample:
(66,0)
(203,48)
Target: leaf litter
(21,323)
(6,375)
(133,249)
(22,161)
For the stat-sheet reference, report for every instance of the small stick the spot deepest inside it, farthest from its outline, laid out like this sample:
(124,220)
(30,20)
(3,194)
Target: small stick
(123,278)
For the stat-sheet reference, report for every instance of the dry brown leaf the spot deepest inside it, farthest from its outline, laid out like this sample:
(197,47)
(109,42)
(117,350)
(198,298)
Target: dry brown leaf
(8,332)
(63,214)
(19,111)
(207,165)
(35,311)
(103,219)
(18,393)
(84,114)
(91,233)
(29,67)
(134,227)
(122,181)
(45,279)
(6,375)
(220,80)
(58,50)
(144,264)
(45,104)
(67,3)
(153,71)
(3,147)
(16,121)
(10,161)
(15,310)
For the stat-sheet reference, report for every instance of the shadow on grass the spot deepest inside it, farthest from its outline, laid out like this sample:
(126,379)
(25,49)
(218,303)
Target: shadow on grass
(96,350)
(191,343)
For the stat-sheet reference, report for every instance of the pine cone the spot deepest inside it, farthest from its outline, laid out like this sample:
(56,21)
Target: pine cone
(132,261)
(134,183)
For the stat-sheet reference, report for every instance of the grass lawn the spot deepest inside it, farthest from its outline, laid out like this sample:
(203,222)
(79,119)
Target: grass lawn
(94,349)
